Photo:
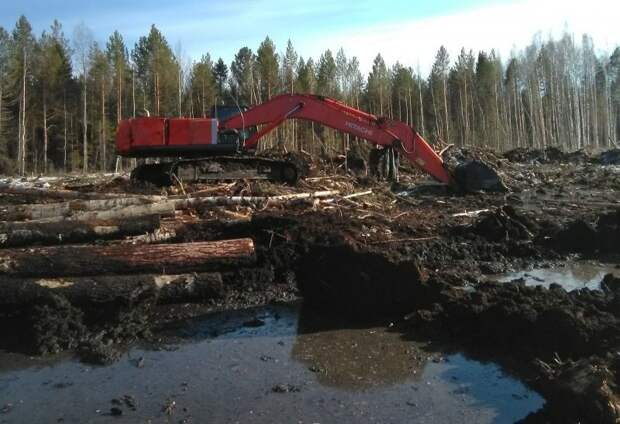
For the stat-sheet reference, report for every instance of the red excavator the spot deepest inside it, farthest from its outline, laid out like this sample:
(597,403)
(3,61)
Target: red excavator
(201,148)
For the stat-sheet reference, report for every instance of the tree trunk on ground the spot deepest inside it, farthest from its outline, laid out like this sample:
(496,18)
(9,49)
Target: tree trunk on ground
(126,259)
(19,292)
(250,200)
(56,194)
(15,234)
(166,208)
(65,209)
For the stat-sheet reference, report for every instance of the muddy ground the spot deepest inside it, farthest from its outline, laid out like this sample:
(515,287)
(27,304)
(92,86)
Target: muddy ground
(413,253)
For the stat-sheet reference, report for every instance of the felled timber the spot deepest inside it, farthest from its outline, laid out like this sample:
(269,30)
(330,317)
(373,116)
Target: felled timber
(121,259)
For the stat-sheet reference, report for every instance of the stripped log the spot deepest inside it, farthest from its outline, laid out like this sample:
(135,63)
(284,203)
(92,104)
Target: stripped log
(119,208)
(19,292)
(55,193)
(165,208)
(251,200)
(66,209)
(15,234)
(126,259)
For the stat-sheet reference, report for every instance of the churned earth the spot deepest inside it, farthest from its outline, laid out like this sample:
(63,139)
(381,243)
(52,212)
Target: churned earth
(418,303)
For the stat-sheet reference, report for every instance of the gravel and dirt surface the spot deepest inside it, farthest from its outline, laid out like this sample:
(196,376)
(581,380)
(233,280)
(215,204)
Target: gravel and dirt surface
(422,260)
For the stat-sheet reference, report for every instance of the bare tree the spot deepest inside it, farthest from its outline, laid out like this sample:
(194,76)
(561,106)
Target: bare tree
(82,43)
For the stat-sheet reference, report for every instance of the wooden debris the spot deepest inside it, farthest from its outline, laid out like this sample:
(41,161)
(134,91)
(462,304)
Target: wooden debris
(164,208)
(348,197)
(402,240)
(471,213)
(55,193)
(15,292)
(14,234)
(361,193)
(251,200)
(67,209)
(126,259)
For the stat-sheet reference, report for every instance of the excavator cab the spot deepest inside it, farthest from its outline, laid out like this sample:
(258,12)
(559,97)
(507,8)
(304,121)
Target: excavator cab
(223,112)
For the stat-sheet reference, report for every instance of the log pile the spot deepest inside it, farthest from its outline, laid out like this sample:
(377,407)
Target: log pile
(97,246)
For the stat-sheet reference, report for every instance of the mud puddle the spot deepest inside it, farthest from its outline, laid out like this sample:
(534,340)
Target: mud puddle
(264,364)
(572,276)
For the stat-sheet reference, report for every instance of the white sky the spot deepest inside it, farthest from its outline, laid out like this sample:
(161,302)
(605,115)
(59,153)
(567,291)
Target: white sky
(502,27)
(409,31)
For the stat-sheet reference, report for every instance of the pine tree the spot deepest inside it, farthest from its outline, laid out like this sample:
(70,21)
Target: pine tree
(341,72)
(53,76)
(202,86)
(83,41)
(5,164)
(326,75)
(378,87)
(118,58)
(306,78)
(99,81)
(484,91)
(402,87)
(288,131)
(220,72)
(289,64)
(20,64)
(156,71)
(355,81)
(614,76)
(438,81)
(243,72)
(267,66)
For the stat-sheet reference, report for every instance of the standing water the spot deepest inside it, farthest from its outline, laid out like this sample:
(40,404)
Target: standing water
(572,276)
(265,365)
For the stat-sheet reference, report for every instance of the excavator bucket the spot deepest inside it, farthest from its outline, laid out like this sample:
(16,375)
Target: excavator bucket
(476,175)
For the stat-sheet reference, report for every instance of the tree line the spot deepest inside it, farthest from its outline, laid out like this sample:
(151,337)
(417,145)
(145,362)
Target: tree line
(61,99)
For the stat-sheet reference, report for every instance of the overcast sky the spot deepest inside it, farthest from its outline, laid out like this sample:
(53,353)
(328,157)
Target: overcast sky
(407,31)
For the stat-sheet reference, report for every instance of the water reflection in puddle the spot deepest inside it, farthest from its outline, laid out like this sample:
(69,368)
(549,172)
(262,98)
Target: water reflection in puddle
(273,364)
(573,276)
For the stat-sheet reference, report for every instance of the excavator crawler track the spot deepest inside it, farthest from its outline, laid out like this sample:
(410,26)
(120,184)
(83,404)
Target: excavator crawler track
(288,170)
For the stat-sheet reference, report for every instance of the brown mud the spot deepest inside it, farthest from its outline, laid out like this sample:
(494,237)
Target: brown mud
(417,255)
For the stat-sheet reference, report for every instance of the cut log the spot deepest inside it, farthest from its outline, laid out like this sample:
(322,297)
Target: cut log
(126,259)
(67,209)
(119,208)
(165,208)
(15,234)
(54,193)
(250,200)
(18,292)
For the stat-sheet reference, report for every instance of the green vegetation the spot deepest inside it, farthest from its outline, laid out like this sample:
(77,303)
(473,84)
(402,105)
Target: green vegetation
(60,100)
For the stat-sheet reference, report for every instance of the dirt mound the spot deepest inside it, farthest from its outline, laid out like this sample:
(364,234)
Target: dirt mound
(546,155)
(476,175)
(600,233)
(610,157)
(542,326)
(55,325)
(506,223)
(398,287)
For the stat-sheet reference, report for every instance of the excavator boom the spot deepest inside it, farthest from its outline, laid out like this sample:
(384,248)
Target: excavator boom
(339,116)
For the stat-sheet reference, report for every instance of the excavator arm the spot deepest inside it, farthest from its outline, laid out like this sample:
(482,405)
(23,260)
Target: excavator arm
(339,116)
